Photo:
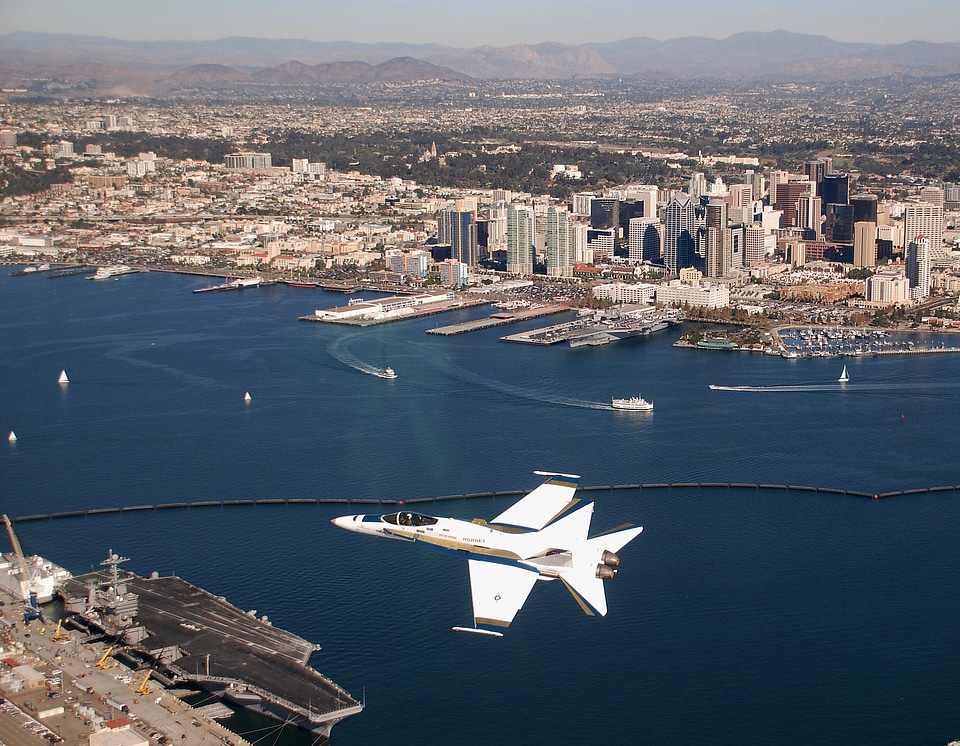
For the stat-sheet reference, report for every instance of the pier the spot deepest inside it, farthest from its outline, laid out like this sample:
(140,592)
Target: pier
(498,319)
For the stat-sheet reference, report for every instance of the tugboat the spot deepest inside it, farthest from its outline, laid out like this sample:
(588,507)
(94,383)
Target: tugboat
(633,404)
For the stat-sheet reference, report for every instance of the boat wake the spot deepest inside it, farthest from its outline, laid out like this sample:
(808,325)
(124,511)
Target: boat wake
(506,388)
(338,350)
(837,386)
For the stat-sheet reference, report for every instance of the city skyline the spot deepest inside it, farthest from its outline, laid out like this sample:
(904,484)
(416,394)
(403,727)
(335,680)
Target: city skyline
(496,23)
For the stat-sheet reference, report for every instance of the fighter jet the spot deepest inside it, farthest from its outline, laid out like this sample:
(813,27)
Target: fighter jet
(540,537)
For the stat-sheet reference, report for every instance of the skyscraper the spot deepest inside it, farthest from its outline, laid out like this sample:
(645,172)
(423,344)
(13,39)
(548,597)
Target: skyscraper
(864,208)
(835,189)
(643,240)
(697,187)
(521,234)
(926,219)
(559,245)
(714,237)
(864,244)
(459,229)
(918,267)
(680,229)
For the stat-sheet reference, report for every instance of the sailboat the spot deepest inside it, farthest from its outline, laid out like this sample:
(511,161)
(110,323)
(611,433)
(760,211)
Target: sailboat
(844,376)
(63,377)
(247,397)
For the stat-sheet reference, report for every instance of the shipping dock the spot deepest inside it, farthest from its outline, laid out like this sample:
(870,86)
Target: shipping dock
(191,639)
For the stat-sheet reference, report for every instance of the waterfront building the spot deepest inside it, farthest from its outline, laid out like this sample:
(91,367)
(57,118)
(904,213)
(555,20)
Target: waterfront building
(639,293)
(886,287)
(458,228)
(680,230)
(644,240)
(521,237)
(559,248)
(410,263)
(676,293)
(453,273)
(918,267)
(496,227)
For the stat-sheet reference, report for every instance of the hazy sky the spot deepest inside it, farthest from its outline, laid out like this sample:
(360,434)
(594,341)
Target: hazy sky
(493,22)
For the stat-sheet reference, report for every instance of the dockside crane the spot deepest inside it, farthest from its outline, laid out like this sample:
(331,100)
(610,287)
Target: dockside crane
(58,635)
(142,689)
(17,550)
(104,661)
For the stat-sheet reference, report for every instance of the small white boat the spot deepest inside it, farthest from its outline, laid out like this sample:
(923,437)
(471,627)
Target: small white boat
(247,397)
(633,404)
(63,377)
(12,437)
(386,373)
(844,376)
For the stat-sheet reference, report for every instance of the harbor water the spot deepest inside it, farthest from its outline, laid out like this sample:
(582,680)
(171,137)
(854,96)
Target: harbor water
(739,615)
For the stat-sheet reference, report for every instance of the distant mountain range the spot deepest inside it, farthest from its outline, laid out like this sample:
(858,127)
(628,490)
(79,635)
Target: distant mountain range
(51,62)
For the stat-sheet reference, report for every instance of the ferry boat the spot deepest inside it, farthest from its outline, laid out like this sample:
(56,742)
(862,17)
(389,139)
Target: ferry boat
(112,270)
(386,373)
(633,404)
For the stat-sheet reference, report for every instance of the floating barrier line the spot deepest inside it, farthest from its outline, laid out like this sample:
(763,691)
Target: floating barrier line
(499,493)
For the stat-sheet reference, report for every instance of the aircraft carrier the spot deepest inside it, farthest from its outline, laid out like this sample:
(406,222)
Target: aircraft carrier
(191,639)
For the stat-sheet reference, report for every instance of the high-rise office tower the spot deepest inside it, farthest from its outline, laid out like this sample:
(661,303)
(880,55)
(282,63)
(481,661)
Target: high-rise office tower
(680,229)
(497,226)
(605,213)
(926,219)
(741,195)
(918,267)
(865,208)
(787,195)
(838,226)
(643,240)
(459,229)
(809,215)
(835,189)
(582,202)
(521,235)
(559,246)
(579,244)
(864,244)
(697,186)
(815,171)
(715,248)
(933,195)
(755,245)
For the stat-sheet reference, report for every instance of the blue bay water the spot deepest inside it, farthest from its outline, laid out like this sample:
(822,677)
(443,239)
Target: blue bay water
(738,615)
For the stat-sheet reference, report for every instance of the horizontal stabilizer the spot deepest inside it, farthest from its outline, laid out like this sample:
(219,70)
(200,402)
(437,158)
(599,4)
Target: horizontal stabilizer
(587,590)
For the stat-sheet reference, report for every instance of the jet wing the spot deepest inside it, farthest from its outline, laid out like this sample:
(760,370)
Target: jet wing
(546,503)
(499,590)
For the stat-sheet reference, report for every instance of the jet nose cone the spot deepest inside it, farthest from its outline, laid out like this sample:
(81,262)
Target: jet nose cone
(344,521)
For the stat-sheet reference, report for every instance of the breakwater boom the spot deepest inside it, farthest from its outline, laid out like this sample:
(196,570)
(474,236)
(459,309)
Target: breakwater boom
(203,504)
